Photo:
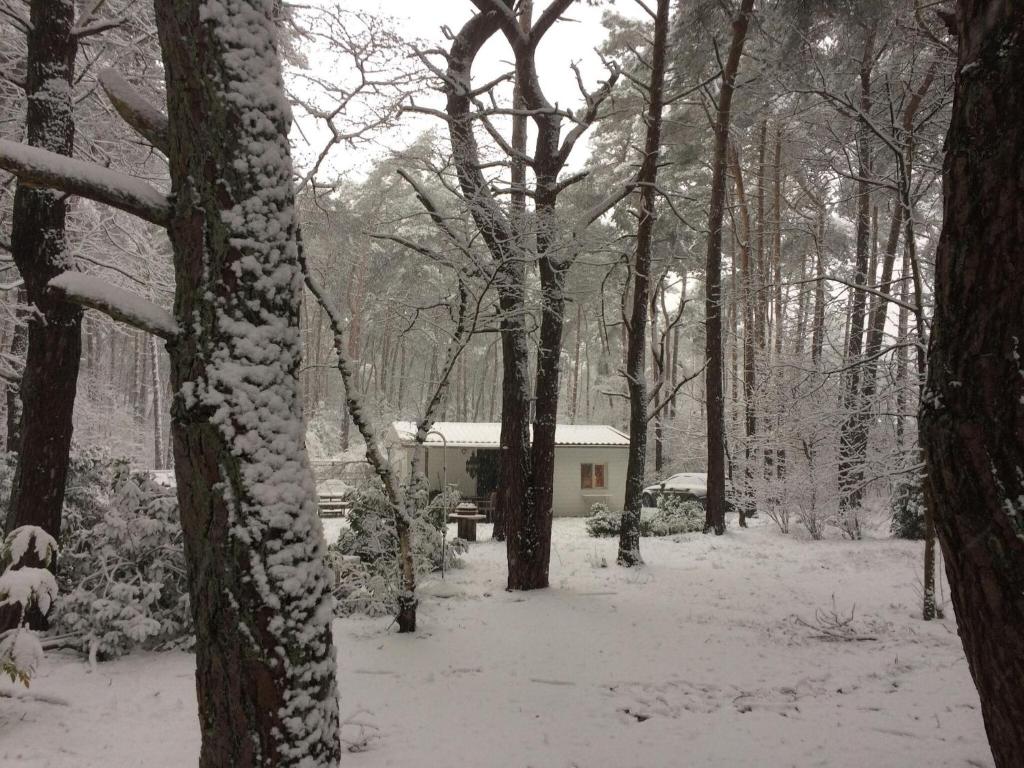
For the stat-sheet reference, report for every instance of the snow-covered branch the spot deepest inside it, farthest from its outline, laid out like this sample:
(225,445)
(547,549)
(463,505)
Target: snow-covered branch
(125,306)
(40,168)
(148,120)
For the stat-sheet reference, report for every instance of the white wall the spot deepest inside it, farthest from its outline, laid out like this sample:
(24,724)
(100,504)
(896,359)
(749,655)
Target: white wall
(569,499)
(457,474)
(573,501)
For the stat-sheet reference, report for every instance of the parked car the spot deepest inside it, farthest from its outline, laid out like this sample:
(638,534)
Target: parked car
(688,486)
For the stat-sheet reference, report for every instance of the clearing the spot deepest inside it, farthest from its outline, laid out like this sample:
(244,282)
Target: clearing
(698,659)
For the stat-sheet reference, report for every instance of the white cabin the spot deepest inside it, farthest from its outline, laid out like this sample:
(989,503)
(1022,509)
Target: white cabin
(590,461)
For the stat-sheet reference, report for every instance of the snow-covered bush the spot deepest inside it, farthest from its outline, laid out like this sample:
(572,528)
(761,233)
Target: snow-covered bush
(122,566)
(908,511)
(25,584)
(602,522)
(674,516)
(123,570)
(364,558)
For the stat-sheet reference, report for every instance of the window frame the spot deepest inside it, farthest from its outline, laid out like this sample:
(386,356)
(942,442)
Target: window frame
(589,472)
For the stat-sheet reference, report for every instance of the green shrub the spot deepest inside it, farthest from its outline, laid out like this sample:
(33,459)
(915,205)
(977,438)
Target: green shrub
(672,516)
(908,512)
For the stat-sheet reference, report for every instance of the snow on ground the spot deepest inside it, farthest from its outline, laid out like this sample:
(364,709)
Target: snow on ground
(694,660)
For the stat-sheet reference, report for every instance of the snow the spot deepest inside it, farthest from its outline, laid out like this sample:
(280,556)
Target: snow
(333,487)
(466,434)
(695,659)
(99,293)
(41,167)
(28,586)
(26,537)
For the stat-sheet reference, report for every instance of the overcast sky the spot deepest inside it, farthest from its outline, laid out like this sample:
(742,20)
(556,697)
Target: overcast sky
(571,40)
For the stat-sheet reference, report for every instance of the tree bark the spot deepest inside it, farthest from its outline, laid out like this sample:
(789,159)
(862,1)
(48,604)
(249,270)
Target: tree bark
(636,350)
(260,591)
(40,251)
(854,432)
(514,502)
(749,341)
(972,414)
(19,346)
(818,332)
(158,406)
(777,182)
(714,395)
(761,310)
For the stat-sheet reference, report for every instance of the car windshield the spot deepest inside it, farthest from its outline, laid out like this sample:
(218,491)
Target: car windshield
(687,479)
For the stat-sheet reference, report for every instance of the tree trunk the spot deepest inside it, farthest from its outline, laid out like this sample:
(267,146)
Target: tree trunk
(19,346)
(972,417)
(515,459)
(513,502)
(714,395)
(40,250)
(880,302)
(818,332)
(777,182)
(260,592)
(854,432)
(749,341)
(158,406)
(761,306)
(636,351)
(574,397)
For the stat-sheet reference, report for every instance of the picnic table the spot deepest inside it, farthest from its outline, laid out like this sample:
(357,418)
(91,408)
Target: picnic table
(333,498)
(333,506)
(466,515)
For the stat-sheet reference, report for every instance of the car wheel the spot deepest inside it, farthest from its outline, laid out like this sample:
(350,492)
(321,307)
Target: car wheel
(648,500)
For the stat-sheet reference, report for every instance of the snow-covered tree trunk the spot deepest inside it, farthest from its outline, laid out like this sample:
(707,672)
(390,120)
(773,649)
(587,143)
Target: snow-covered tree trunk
(40,251)
(260,589)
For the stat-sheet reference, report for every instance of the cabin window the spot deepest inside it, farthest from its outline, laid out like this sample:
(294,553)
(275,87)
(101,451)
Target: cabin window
(593,475)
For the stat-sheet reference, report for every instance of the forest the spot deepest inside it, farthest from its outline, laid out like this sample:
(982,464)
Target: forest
(394,383)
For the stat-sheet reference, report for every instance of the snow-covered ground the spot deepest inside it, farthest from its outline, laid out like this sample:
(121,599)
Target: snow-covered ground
(697,659)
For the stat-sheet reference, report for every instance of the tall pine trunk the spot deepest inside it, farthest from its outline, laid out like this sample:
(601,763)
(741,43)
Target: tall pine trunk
(40,250)
(714,395)
(853,436)
(972,414)
(636,350)
(749,341)
(260,591)
(19,346)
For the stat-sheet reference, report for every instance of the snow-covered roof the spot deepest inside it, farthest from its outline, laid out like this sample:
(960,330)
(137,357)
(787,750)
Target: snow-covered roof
(468,434)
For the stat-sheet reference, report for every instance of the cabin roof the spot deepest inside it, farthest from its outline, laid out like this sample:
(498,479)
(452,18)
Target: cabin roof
(469,434)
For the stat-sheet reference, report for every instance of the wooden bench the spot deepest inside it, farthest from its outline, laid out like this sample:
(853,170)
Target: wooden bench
(333,506)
